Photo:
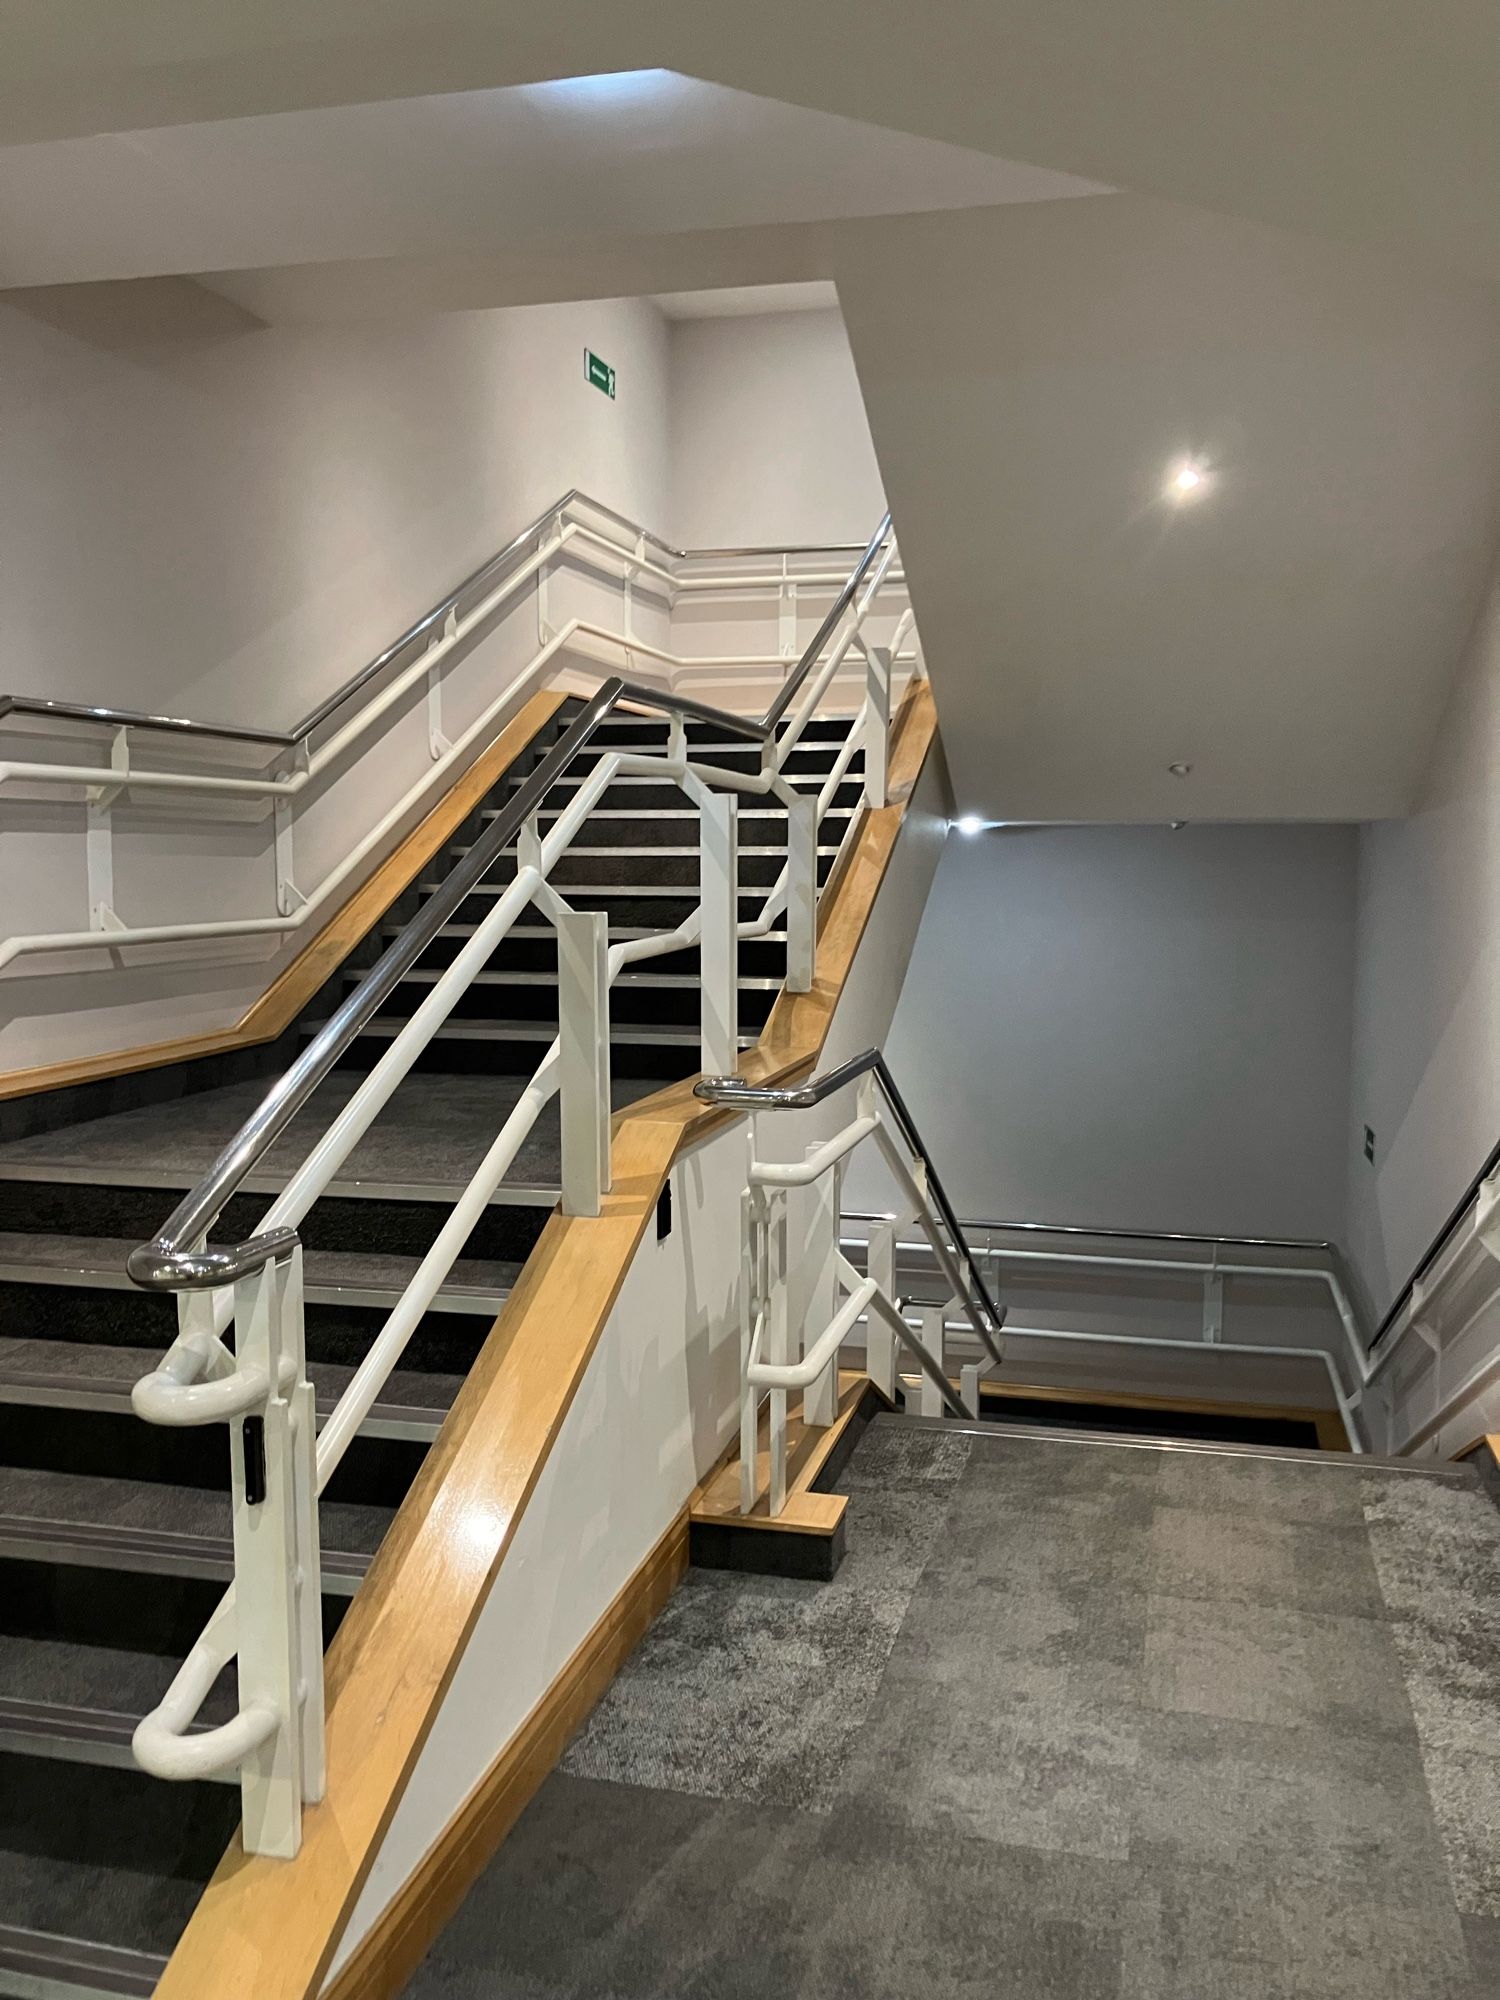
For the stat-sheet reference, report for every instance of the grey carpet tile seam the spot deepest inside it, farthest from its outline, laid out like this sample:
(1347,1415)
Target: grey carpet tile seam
(1287,1852)
(753,1688)
(1437,1555)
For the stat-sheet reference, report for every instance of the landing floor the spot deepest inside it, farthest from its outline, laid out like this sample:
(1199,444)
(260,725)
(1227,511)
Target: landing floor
(1075,1719)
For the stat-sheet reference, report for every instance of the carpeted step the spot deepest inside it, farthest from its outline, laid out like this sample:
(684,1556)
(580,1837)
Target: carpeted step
(55,1373)
(652,907)
(86,1458)
(532,947)
(92,1858)
(643,794)
(646,997)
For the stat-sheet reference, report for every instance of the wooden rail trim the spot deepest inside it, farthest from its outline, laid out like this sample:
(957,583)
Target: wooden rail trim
(387,1957)
(266,1929)
(716,1499)
(323,954)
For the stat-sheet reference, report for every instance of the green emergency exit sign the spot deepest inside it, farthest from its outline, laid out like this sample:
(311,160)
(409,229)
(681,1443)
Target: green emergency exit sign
(598,374)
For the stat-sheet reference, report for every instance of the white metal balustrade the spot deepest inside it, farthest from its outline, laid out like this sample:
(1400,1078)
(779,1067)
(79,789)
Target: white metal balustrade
(139,757)
(801,1298)
(269,1621)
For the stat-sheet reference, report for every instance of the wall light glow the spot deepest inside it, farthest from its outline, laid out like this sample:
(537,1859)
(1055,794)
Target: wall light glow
(1188,479)
(971,823)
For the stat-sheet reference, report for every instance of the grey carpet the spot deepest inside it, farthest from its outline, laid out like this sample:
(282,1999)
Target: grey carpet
(1074,1719)
(434,1132)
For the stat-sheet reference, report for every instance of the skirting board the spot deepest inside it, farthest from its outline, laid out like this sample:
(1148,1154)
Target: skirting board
(396,1945)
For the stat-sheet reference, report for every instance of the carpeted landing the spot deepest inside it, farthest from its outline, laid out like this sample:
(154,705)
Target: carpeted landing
(1093,1721)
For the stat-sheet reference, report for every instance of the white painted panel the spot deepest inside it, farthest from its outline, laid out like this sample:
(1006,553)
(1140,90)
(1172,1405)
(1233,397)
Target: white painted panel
(654,1411)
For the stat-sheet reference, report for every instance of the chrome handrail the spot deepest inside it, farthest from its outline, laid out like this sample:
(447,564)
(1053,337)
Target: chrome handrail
(167,1263)
(431,620)
(1125,1235)
(840,605)
(177,1257)
(748,1096)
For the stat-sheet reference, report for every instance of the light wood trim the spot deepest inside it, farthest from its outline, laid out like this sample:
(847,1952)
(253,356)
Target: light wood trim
(1490,1440)
(716,1502)
(297,982)
(387,1957)
(265,1929)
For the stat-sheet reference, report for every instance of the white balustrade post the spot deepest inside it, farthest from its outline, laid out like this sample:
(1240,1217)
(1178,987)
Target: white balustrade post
(877,723)
(777,1340)
(969,1377)
(583,1058)
(277,1561)
(820,1401)
(880,1342)
(752,1304)
(438,744)
(934,1337)
(801,893)
(719,945)
(99,839)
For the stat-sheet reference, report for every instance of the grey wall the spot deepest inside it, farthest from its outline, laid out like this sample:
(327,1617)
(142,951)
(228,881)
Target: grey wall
(1135,1027)
(770,442)
(1426,1063)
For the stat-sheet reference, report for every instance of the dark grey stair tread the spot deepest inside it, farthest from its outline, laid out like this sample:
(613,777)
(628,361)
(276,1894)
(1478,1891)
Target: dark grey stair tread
(90,1697)
(74,1966)
(472,1029)
(666,982)
(107,1855)
(430,1138)
(580,851)
(472,1284)
(50,1369)
(616,931)
(184,1515)
(752,806)
(682,892)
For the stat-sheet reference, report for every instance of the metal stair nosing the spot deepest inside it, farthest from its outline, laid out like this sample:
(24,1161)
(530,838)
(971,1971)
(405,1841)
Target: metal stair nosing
(42,1965)
(151,1551)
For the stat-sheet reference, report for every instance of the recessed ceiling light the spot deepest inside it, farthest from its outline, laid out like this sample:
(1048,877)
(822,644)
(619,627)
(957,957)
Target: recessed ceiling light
(970,823)
(1187,479)
(1179,770)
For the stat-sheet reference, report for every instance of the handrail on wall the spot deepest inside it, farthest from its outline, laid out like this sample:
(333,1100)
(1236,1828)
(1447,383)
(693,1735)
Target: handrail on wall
(430,622)
(1435,1248)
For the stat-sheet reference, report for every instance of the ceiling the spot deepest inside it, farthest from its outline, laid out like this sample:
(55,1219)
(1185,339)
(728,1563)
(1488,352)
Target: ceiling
(1033,374)
(1031,364)
(499,170)
(1376,124)
(747,301)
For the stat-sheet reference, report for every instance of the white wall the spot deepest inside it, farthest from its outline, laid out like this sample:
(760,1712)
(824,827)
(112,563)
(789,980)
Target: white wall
(657,1404)
(1130,1027)
(1426,1061)
(203,516)
(223,519)
(770,443)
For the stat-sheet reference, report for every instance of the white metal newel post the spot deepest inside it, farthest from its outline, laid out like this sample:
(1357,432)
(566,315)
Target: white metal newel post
(277,1560)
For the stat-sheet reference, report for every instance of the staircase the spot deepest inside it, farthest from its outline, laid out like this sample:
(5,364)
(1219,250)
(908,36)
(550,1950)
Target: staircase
(114,1534)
